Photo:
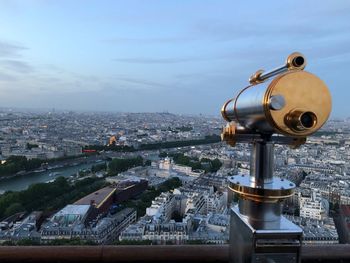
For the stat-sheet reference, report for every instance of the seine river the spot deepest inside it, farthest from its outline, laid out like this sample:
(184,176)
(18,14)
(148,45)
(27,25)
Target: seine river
(22,182)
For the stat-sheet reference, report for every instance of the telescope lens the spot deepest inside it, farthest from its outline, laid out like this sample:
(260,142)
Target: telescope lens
(299,120)
(307,119)
(298,61)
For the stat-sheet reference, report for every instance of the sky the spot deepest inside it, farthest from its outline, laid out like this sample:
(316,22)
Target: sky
(180,56)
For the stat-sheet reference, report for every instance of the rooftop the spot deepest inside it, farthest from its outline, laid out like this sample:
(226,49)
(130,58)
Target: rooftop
(97,198)
(73,210)
(69,215)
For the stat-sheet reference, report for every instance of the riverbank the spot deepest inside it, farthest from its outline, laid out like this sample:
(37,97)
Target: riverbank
(55,165)
(22,182)
(47,197)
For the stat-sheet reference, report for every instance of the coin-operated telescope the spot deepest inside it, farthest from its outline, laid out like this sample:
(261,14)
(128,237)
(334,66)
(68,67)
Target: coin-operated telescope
(282,106)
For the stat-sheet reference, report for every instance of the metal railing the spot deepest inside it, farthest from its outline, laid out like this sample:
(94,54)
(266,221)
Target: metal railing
(170,253)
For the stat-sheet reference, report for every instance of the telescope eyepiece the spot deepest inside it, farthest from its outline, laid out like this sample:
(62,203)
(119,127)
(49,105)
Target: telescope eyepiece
(308,119)
(298,61)
(295,61)
(299,120)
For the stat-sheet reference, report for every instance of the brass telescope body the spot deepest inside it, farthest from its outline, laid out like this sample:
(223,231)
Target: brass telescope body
(295,103)
(288,101)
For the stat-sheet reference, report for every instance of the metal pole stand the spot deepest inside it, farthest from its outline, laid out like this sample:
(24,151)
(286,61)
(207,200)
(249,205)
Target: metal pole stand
(258,231)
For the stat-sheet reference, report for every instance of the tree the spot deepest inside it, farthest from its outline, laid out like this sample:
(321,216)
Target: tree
(195,242)
(28,242)
(99,167)
(163,154)
(47,196)
(13,209)
(215,165)
(196,165)
(30,146)
(15,164)
(133,242)
(118,165)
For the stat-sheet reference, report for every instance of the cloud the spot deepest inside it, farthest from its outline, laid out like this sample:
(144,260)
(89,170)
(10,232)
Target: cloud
(6,77)
(240,57)
(10,50)
(16,66)
(143,60)
(151,40)
(220,30)
(140,81)
(175,60)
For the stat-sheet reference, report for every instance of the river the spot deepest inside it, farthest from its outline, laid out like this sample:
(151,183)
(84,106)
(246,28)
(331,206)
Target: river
(22,182)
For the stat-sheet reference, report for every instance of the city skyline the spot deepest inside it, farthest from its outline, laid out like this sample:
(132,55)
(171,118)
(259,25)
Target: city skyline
(174,165)
(161,56)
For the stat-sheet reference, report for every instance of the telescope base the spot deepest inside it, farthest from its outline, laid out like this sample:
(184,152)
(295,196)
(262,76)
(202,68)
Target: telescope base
(273,243)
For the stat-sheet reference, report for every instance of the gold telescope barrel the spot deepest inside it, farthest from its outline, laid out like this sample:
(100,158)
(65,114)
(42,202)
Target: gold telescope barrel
(294,103)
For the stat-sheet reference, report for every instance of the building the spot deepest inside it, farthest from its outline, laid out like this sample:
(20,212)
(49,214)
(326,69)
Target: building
(66,223)
(162,207)
(109,228)
(165,164)
(182,168)
(180,216)
(72,223)
(22,228)
(313,206)
(127,189)
(100,200)
(133,232)
(211,229)
(216,202)
(344,223)
(168,232)
(316,232)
